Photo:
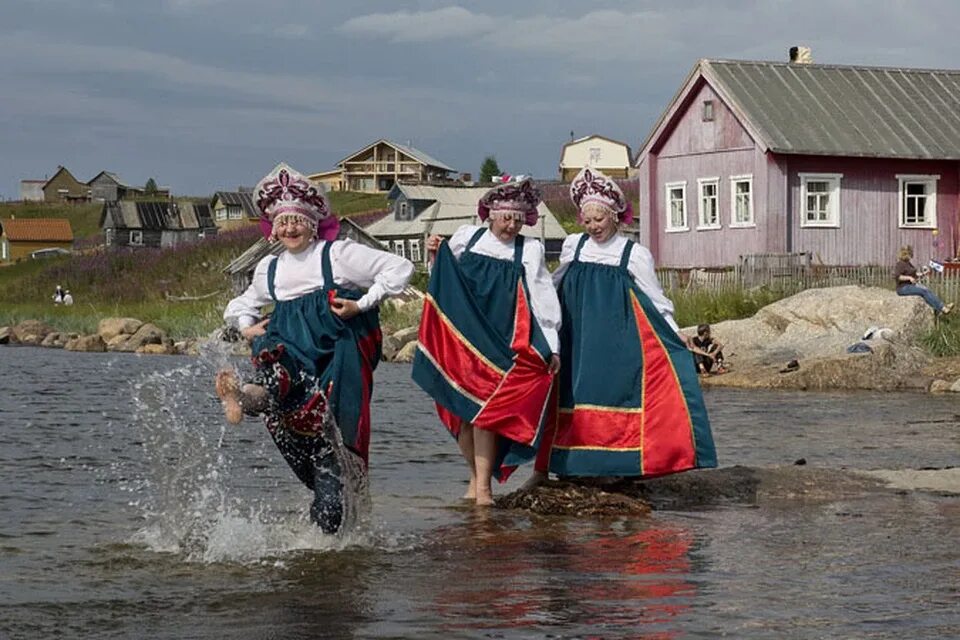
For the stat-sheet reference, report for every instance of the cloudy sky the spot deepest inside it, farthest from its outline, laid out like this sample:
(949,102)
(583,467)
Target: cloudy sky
(209,94)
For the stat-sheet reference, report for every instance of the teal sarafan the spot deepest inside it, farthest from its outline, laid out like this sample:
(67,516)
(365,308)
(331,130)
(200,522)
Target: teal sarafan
(482,356)
(630,401)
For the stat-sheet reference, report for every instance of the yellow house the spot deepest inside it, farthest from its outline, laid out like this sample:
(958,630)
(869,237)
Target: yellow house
(610,157)
(332,180)
(21,237)
(234,209)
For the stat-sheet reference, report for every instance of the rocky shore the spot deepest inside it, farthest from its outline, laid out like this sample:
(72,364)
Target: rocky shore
(815,328)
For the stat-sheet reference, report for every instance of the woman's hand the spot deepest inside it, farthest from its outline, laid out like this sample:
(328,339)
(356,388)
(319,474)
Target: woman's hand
(433,242)
(343,308)
(553,367)
(255,330)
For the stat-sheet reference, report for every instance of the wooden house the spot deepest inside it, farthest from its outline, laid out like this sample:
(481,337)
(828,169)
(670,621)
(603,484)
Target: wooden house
(167,223)
(380,165)
(108,187)
(332,180)
(611,157)
(843,163)
(31,190)
(420,210)
(63,187)
(20,237)
(234,210)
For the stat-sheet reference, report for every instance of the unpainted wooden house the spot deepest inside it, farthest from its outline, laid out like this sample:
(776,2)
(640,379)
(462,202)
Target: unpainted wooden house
(380,165)
(420,210)
(234,210)
(31,190)
(167,223)
(20,237)
(610,157)
(844,163)
(63,187)
(108,187)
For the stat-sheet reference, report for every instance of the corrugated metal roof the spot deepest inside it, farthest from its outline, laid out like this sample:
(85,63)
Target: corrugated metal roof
(37,230)
(844,110)
(159,216)
(452,208)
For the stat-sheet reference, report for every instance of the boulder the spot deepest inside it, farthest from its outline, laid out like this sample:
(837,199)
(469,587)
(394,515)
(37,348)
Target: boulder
(55,340)
(32,331)
(406,353)
(815,327)
(389,348)
(92,343)
(156,349)
(111,327)
(406,336)
(147,334)
(7,335)
(940,386)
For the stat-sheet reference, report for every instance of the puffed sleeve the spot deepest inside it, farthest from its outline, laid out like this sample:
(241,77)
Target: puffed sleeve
(460,238)
(543,296)
(244,310)
(566,257)
(381,273)
(642,269)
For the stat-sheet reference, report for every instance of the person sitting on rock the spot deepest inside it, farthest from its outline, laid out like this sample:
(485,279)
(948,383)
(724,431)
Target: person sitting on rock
(318,349)
(908,282)
(708,353)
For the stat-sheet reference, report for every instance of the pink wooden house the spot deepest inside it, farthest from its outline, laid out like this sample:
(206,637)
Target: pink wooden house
(846,163)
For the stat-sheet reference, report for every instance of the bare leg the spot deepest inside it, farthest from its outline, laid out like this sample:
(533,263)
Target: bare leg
(485,443)
(465,440)
(235,399)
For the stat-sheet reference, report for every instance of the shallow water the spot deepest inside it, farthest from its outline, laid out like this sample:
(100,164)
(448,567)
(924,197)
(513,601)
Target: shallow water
(131,510)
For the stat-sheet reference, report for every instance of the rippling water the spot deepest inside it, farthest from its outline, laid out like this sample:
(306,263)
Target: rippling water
(131,510)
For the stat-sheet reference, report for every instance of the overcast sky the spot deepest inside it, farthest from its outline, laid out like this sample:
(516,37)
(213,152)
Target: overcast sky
(205,95)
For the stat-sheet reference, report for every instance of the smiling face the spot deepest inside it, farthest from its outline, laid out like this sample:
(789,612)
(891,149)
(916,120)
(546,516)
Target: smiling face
(293,232)
(506,225)
(599,221)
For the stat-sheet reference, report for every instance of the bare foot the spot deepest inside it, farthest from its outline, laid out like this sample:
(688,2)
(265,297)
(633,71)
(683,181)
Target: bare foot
(484,498)
(538,478)
(228,390)
(471,493)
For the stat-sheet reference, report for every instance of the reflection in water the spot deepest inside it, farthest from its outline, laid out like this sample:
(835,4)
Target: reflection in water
(505,573)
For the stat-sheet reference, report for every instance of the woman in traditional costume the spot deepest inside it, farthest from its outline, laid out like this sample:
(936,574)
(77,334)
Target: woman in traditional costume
(488,344)
(318,348)
(630,401)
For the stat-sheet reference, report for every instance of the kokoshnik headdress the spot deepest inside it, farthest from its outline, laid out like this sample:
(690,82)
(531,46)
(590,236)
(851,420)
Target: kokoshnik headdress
(592,186)
(517,197)
(285,191)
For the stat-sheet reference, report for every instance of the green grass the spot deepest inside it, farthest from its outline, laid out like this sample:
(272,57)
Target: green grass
(84,218)
(943,339)
(347,203)
(692,307)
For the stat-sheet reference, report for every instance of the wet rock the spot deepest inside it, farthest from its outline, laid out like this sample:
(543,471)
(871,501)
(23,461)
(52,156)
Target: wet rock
(156,349)
(7,336)
(699,488)
(55,340)
(32,332)
(556,498)
(92,343)
(147,334)
(109,328)
(941,386)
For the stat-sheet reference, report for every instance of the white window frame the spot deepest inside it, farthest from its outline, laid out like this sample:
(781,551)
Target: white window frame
(415,255)
(930,181)
(4,249)
(734,181)
(668,208)
(399,248)
(136,238)
(222,213)
(701,183)
(833,202)
(595,154)
(234,212)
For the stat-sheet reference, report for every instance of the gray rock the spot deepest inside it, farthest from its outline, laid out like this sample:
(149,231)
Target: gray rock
(7,336)
(390,347)
(406,353)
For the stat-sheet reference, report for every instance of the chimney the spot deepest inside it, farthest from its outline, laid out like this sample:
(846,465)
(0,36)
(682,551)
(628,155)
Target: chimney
(801,55)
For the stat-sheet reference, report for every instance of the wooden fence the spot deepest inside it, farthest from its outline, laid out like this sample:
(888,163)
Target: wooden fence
(791,273)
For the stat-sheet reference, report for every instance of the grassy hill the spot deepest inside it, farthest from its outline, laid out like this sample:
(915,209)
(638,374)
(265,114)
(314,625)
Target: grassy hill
(133,283)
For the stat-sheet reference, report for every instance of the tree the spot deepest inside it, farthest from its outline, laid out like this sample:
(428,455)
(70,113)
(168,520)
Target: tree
(488,169)
(151,187)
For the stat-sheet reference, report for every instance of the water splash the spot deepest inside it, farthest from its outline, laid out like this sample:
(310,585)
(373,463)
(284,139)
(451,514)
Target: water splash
(194,492)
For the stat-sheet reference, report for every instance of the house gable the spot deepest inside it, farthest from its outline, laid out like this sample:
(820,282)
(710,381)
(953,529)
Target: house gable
(704,124)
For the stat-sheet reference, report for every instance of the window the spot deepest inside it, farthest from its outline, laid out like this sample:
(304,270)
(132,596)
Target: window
(594,156)
(709,203)
(820,199)
(234,212)
(707,110)
(676,201)
(403,210)
(398,248)
(109,235)
(222,214)
(918,201)
(741,201)
(136,237)
(415,250)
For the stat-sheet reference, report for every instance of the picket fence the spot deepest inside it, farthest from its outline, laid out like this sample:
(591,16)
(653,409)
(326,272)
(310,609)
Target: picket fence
(791,273)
